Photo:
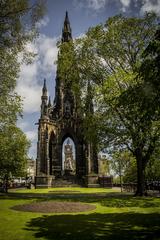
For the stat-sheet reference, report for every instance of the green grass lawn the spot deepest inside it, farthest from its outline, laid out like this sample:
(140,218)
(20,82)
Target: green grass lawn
(117,216)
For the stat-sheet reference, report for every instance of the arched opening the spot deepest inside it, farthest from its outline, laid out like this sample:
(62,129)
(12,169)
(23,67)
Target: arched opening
(68,157)
(52,145)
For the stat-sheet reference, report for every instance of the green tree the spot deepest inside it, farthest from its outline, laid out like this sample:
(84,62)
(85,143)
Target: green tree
(70,71)
(121,163)
(13,152)
(150,67)
(83,91)
(18,26)
(152,172)
(130,173)
(110,56)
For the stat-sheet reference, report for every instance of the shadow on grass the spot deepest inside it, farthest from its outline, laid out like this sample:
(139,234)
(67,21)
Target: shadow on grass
(130,201)
(111,200)
(97,226)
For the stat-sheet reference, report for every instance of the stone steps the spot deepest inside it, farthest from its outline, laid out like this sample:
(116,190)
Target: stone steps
(64,183)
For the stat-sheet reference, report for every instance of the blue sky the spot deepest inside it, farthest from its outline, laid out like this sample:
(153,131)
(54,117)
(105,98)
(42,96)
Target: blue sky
(82,15)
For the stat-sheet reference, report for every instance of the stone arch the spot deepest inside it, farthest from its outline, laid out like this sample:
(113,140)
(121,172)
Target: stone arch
(79,153)
(68,135)
(68,156)
(52,146)
(63,136)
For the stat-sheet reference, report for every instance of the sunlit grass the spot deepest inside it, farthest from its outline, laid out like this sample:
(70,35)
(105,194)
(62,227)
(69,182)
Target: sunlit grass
(68,189)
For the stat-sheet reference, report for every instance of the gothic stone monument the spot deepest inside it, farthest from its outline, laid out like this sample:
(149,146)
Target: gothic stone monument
(57,123)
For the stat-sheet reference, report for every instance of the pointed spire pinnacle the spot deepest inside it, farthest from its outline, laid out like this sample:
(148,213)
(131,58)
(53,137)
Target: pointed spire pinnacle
(44,89)
(66,32)
(66,18)
(49,102)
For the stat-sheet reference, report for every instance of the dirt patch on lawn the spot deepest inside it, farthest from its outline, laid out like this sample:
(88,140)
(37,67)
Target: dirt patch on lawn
(55,207)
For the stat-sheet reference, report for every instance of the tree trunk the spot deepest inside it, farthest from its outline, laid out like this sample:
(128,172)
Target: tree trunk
(120,176)
(121,183)
(141,191)
(5,184)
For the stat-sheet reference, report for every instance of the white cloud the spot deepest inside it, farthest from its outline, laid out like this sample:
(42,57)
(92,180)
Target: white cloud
(28,86)
(48,52)
(91,4)
(151,5)
(31,96)
(96,4)
(31,132)
(22,124)
(125,4)
(43,22)
(31,135)
(32,151)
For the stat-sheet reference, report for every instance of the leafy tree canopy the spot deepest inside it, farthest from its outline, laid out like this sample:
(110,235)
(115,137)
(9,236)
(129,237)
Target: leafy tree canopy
(18,26)
(13,151)
(110,59)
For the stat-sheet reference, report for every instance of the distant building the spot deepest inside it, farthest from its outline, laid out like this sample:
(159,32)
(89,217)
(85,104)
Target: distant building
(31,168)
(103,165)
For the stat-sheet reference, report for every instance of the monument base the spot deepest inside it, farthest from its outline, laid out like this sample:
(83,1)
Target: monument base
(91,181)
(44,181)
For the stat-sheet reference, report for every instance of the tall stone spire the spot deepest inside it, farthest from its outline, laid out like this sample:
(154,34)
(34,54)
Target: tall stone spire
(66,31)
(49,102)
(44,99)
(44,89)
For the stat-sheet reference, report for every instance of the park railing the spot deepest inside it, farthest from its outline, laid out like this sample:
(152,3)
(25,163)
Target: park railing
(131,187)
(105,181)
